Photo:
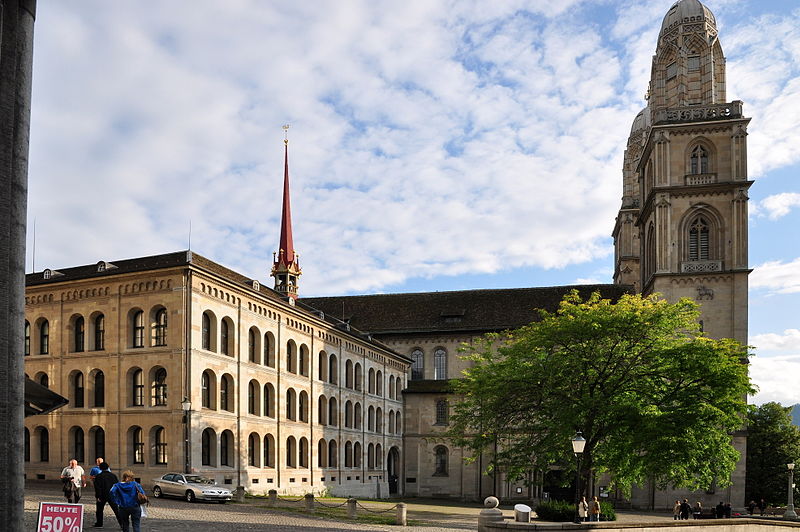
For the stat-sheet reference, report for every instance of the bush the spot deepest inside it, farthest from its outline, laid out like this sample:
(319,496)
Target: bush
(559,511)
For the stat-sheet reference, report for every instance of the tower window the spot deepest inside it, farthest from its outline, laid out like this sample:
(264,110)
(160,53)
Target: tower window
(693,63)
(698,239)
(672,70)
(699,160)
(417,364)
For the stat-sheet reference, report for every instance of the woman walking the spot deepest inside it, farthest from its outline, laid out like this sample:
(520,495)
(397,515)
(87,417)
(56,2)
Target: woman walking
(126,496)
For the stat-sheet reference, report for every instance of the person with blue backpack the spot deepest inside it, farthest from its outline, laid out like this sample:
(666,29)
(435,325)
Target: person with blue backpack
(128,495)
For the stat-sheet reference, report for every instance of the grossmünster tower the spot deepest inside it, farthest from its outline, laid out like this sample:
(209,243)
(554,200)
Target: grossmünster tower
(682,227)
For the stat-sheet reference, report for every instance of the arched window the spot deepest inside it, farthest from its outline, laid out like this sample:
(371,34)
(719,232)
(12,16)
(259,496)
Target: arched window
(391,387)
(208,444)
(291,452)
(252,345)
(160,440)
(322,366)
(137,444)
(304,360)
(80,334)
(698,161)
(269,400)
(322,410)
(77,390)
(440,461)
(226,448)
(205,390)
(269,451)
(348,414)
(371,381)
(99,333)
(44,337)
(303,452)
(322,453)
(252,449)
(78,444)
(333,458)
(358,377)
(291,359)
(269,350)
(160,387)
(333,413)
(226,393)
(650,253)
(27,338)
(252,398)
(302,406)
(44,444)
(44,380)
(699,239)
(417,364)
(290,407)
(357,416)
(357,454)
(137,329)
(397,425)
(379,383)
(348,374)
(206,342)
(348,454)
(379,420)
(440,364)
(160,329)
(27,445)
(97,439)
(333,370)
(398,389)
(441,412)
(378,456)
(99,390)
(224,342)
(371,418)
(371,456)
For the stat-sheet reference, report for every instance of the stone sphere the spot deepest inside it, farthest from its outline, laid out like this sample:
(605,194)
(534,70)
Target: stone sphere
(491,502)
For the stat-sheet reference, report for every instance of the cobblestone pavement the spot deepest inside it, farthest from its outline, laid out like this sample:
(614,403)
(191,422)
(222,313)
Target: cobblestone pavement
(172,515)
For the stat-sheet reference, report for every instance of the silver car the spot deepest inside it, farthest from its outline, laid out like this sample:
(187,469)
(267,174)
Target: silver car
(190,487)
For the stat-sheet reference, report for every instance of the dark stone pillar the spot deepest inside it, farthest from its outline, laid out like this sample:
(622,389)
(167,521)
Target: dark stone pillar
(16,56)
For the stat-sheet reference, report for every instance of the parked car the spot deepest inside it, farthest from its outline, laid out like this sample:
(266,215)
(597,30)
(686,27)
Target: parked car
(190,487)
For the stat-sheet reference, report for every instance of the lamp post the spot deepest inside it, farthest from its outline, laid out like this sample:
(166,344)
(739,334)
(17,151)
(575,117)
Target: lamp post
(186,405)
(578,444)
(790,513)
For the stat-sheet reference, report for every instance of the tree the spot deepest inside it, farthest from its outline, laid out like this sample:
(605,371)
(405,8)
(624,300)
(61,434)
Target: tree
(772,442)
(654,398)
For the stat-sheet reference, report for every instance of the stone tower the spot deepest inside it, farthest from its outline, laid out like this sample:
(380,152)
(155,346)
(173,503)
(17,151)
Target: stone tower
(286,267)
(682,227)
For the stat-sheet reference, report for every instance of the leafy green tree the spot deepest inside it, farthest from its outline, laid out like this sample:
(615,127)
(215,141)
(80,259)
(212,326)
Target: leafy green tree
(772,442)
(653,397)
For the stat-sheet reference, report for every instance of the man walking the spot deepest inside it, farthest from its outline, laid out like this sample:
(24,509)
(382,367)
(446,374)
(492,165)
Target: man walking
(74,478)
(102,489)
(93,472)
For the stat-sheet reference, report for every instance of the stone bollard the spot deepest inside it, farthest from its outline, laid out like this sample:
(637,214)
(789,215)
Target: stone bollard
(238,494)
(490,514)
(309,497)
(351,508)
(401,518)
(273,498)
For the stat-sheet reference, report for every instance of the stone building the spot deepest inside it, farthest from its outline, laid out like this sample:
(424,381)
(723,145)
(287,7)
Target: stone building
(286,392)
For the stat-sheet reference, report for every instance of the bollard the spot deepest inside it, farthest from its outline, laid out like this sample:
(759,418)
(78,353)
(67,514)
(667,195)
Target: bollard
(490,514)
(309,497)
(238,494)
(273,498)
(401,519)
(351,508)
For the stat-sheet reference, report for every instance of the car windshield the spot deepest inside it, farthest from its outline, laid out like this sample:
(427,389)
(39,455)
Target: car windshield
(196,479)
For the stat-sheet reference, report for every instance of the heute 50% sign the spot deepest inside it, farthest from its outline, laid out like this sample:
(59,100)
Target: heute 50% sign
(60,517)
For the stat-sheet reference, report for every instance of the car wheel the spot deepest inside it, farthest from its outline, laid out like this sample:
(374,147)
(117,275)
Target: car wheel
(190,496)
(156,492)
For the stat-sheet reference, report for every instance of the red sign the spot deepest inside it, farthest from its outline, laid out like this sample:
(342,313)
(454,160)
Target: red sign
(60,517)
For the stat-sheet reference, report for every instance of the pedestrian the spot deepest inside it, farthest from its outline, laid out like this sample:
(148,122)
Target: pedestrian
(125,495)
(583,509)
(74,478)
(594,509)
(676,511)
(93,472)
(720,510)
(762,506)
(751,507)
(728,510)
(698,510)
(103,482)
(685,509)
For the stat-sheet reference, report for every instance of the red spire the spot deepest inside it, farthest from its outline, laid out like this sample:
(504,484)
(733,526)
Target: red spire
(286,250)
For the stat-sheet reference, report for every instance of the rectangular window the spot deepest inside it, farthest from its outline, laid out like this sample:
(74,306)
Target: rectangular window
(672,70)
(693,63)
(138,453)
(161,453)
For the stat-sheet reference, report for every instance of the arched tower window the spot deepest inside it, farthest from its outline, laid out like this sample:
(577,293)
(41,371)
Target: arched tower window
(699,239)
(698,160)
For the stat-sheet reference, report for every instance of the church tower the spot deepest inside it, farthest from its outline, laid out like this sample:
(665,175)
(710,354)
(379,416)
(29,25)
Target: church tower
(682,227)
(286,267)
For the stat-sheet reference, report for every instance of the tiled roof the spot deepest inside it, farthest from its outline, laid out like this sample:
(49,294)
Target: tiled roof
(457,311)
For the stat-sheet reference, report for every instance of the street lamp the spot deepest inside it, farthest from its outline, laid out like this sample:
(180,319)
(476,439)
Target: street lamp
(790,513)
(186,406)
(578,444)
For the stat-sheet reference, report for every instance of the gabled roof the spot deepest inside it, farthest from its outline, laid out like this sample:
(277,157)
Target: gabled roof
(457,311)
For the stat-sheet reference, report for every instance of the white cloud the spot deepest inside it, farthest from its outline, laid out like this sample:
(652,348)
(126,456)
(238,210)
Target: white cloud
(777,276)
(773,342)
(777,205)
(776,378)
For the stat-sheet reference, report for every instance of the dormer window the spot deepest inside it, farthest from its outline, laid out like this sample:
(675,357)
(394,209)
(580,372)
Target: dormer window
(47,273)
(256,285)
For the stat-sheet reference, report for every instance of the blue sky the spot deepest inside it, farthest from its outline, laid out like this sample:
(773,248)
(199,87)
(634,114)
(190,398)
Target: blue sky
(434,145)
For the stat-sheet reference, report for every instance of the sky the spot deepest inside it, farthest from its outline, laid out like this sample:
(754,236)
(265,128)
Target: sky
(434,145)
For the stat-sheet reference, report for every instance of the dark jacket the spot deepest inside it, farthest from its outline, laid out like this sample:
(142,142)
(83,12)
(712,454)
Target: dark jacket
(124,494)
(103,483)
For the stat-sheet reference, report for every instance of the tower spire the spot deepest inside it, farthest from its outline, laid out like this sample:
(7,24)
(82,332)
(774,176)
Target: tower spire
(285,268)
